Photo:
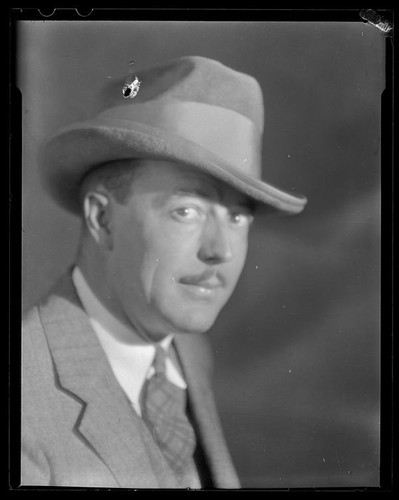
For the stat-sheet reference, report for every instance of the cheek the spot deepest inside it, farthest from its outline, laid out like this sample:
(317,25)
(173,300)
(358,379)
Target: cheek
(127,263)
(240,247)
(162,263)
(164,255)
(128,254)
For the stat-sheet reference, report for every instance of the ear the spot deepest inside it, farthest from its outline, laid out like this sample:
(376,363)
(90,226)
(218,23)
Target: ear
(97,214)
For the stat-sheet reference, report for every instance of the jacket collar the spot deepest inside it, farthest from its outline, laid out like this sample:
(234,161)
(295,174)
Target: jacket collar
(107,420)
(194,356)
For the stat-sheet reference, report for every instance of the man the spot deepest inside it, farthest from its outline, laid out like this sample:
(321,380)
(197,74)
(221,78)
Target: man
(116,367)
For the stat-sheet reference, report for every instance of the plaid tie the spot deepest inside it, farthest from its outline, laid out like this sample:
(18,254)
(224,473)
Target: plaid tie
(164,410)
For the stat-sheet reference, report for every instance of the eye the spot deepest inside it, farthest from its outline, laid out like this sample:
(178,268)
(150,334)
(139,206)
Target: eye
(241,218)
(186,213)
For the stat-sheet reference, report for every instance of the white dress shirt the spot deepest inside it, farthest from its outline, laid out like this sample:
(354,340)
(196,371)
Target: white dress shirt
(129,355)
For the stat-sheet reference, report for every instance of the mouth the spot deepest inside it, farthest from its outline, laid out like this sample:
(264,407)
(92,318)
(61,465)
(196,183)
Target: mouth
(203,285)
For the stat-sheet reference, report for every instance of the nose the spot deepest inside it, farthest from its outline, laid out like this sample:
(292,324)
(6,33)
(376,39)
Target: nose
(216,244)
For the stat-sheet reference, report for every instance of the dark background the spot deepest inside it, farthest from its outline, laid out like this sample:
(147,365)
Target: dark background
(298,347)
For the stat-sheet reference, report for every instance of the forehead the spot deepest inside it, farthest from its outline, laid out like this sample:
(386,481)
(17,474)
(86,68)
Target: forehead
(173,179)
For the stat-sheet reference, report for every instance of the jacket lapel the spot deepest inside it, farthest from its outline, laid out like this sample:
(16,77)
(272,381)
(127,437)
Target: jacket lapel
(204,410)
(107,420)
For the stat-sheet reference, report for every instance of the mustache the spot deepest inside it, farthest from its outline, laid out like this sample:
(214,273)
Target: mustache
(208,277)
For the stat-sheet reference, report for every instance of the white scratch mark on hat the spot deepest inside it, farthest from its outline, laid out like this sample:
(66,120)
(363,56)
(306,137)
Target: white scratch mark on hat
(376,20)
(131,87)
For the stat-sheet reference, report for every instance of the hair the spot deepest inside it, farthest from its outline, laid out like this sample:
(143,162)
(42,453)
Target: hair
(115,176)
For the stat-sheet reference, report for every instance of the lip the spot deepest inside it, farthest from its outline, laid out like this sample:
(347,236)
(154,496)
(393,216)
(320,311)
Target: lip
(209,279)
(203,285)
(199,291)
(207,284)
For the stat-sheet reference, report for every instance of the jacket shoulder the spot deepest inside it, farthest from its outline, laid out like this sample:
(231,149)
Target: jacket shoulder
(33,336)
(36,357)
(31,320)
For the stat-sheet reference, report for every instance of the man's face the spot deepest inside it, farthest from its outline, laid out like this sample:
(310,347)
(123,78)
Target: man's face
(179,246)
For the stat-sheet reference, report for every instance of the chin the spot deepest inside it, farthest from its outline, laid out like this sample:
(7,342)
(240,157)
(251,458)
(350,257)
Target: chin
(194,323)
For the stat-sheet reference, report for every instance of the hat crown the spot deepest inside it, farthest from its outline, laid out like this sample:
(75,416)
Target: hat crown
(193,79)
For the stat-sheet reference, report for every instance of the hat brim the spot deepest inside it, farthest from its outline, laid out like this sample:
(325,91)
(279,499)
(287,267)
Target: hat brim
(69,155)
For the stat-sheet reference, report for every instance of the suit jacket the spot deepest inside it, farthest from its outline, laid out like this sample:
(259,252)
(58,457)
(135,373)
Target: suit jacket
(79,429)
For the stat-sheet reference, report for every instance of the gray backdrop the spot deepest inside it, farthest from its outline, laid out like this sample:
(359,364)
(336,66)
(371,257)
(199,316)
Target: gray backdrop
(297,347)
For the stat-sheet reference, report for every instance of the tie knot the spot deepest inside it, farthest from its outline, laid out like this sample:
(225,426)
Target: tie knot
(159,362)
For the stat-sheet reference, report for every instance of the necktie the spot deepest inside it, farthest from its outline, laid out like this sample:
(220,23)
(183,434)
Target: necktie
(163,407)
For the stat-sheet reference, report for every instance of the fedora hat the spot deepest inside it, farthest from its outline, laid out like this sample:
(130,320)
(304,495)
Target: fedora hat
(191,110)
